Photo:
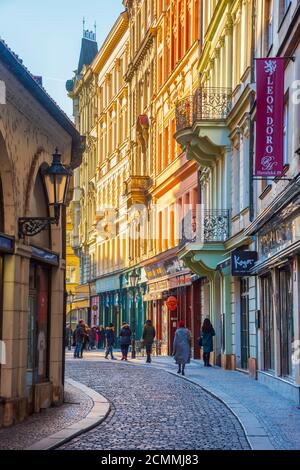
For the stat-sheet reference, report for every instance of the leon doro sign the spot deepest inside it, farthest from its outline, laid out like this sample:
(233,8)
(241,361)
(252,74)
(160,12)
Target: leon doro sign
(269,117)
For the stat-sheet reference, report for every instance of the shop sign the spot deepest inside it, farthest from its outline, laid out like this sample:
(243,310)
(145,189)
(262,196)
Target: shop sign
(6,244)
(46,256)
(242,262)
(269,117)
(172,303)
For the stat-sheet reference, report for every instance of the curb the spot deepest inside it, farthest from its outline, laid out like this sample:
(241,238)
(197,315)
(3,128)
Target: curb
(255,432)
(95,417)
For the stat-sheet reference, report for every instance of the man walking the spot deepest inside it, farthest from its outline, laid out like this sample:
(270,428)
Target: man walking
(110,341)
(149,334)
(79,335)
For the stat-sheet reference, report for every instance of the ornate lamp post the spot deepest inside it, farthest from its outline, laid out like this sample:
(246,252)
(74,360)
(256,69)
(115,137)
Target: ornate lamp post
(133,279)
(56,179)
(70,298)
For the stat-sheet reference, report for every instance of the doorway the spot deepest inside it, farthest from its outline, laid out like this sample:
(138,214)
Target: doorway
(38,328)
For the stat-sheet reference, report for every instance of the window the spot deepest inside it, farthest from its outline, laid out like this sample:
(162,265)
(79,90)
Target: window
(286,320)
(268,323)
(269,12)
(283,7)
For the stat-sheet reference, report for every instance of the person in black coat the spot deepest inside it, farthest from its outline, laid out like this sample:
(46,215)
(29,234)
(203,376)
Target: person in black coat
(207,335)
(110,341)
(125,340)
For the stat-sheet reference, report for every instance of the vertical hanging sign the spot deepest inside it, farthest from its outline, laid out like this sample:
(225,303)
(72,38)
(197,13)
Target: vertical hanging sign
(269,117)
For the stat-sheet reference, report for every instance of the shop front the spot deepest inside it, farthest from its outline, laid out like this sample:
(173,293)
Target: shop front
(133,306)
(278,270)
(95,305)
(108,289)
(174,294)
(38,322)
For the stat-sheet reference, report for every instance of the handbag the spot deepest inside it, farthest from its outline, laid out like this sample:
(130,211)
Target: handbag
(200,342)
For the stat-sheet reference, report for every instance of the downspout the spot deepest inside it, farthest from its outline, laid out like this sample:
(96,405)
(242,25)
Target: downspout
(251,155)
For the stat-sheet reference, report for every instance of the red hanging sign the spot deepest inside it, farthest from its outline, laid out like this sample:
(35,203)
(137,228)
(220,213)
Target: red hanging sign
(270,117)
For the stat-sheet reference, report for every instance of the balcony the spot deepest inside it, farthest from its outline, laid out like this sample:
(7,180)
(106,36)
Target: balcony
(203,240)
(201,126)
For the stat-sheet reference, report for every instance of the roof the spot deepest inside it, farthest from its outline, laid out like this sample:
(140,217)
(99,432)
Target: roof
(15,65)
(89,50)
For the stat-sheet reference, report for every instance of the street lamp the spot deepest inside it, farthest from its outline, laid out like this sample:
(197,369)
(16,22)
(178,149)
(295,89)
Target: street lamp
(70,298)
(133,279)
(56,179)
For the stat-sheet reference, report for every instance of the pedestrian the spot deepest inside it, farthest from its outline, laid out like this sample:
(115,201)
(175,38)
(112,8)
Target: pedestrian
(207,335)
(110,341)
(86,339)
(93,337)
(149,334)
(125,340)
(79,335)
(182,347)
(101,337)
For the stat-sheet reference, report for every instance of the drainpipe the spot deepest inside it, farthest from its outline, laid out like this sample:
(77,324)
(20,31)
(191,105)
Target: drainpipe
(251,155)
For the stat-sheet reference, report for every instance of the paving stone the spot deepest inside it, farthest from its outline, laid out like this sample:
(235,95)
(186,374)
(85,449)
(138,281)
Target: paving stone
(152,409)
(39,426)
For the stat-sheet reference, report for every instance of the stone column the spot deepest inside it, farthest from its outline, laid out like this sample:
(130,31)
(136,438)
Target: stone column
(14,335)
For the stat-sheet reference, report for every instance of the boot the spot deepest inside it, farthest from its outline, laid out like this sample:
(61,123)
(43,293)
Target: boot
(182,372)
(179,369)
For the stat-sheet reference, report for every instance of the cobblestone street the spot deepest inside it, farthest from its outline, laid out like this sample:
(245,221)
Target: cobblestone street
(152,409)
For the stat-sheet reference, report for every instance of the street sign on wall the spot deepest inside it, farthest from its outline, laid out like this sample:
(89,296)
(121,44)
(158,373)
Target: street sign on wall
(242,262)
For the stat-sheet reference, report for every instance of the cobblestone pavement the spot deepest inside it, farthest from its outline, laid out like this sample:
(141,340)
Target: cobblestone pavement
(38,426)
(152,409)
(279,416)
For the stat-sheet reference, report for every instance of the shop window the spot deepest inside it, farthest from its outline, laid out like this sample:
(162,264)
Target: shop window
(38,325)
(286,320)
(268,323)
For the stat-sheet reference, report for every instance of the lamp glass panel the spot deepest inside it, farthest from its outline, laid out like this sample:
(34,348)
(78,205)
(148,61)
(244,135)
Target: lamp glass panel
(60,182)
(50,185)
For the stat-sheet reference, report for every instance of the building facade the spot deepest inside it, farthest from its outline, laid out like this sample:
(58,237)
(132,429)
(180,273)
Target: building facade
(276,215)
(213,127)
(256,316)
(32,274)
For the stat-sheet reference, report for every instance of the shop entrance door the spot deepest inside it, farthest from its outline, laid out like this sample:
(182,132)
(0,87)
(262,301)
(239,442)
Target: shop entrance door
(37,328)
(286,320)
(245,353)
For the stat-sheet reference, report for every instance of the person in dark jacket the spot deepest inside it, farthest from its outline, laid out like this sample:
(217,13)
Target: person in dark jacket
(110,341)
(207,335)
(125,340)
(79,335)
(149,334)
(93,336)
(86,339)
(101,337)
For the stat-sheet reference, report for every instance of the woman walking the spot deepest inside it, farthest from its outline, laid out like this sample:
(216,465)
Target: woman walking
(125,340)
(207,335)
(149,334)
(182,347)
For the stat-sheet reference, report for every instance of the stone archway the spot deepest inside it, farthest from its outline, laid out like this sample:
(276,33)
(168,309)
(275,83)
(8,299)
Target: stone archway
(7,196)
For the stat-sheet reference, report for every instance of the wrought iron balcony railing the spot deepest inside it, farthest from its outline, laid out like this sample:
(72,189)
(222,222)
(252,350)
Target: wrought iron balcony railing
(207,104)
(209,226)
